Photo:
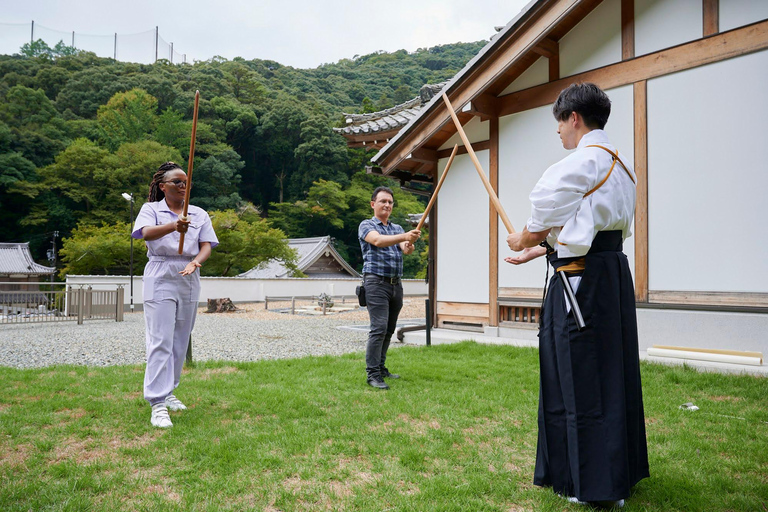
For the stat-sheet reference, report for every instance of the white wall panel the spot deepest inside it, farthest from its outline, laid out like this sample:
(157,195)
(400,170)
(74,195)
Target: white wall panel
(537,74)
(462,242)
(476,130)
(708,177)
(594,42)
(737,13)
(528,144)
(661,24)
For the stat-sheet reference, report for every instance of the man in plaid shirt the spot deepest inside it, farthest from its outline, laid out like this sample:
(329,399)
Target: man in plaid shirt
(383,244)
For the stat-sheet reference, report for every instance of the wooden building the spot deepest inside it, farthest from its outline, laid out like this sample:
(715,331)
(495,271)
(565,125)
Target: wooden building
(687,80)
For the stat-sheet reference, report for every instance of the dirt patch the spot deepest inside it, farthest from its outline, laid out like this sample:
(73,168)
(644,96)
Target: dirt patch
(725,398)
(224,370)
(82,451)
(165,491)
(69,414)
(15,456)
(415,426)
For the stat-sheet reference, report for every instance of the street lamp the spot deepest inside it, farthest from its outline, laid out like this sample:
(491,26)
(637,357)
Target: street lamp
(129,197)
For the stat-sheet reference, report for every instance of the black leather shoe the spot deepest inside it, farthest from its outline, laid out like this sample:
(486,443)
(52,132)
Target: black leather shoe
(377,382)
(385,374)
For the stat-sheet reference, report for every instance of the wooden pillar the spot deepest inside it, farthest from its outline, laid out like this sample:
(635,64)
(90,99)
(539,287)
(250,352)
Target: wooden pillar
(554,66)
(432,254)
(493,227)
(627,29)
(711,17)
(641,205)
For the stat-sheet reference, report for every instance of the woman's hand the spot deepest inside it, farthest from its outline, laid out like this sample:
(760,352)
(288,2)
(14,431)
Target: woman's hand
(191,266)
(182,225)
(528,254)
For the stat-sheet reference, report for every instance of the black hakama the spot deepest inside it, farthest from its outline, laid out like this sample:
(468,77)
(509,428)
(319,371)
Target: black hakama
(591,442)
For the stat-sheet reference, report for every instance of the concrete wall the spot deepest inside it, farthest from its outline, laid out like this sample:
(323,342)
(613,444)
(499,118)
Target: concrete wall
(242,289)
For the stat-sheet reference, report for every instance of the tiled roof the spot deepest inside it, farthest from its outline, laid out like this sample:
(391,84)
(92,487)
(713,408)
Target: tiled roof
(308,251)
(16,259)
(388,120)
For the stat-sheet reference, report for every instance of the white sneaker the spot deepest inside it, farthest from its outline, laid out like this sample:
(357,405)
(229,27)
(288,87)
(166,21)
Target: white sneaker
(160,417)
(174,404)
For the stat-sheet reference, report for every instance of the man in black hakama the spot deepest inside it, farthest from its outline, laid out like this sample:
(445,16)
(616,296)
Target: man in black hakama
(591,442)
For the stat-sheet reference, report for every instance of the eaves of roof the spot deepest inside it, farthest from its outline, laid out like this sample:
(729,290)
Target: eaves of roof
(436,102)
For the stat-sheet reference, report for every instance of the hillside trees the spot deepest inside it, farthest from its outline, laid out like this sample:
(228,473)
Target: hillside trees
(77,130)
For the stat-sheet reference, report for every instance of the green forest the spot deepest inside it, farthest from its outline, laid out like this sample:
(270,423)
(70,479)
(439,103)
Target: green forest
(77,131)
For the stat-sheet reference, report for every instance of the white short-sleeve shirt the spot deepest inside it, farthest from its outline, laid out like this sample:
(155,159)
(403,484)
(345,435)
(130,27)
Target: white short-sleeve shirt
(157,213)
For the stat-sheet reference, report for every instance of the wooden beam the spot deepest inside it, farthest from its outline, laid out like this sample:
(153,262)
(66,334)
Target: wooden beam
(547,48)
(476,82)
(476,146)
(627,29)
(466,309)
(493,227)
(739,299)
(726,45)
(484,106)
(641,203)
(400,175)
(711,9)
(554,68)
(424,155)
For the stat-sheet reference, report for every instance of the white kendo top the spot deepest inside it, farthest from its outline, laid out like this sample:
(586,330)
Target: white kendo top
(558,200)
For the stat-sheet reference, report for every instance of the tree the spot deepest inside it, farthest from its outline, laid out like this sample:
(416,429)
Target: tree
(215,182)
(101,250)
(244,245)
(127,117)
(321,155)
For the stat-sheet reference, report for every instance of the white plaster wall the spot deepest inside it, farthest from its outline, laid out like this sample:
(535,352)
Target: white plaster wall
(536,74)
(737,13)
(476,130)
(528,144)
(661,24)
(708,177)
(241,289)
(462,241)
(593,43)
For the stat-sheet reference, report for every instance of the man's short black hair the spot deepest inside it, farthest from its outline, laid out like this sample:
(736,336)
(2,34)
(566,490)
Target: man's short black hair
(586,99)
(382,189)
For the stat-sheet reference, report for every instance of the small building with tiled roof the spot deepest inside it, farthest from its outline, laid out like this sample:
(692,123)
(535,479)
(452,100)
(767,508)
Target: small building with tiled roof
(17,264)
(316,258)
(373,130)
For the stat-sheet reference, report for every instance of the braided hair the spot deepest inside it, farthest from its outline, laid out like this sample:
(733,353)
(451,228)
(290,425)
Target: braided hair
(155,194)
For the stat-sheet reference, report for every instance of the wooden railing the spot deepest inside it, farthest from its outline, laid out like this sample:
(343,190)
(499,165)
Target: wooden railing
(27,302)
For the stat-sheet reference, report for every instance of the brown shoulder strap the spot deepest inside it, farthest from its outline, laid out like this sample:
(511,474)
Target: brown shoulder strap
(615,159)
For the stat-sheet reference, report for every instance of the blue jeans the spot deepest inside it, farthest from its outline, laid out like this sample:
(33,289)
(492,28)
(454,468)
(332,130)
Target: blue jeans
(385,301)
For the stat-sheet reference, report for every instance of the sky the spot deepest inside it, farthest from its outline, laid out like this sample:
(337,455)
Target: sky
(298,33)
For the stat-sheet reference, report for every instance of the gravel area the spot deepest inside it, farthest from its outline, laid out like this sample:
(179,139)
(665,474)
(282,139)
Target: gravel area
(250,334)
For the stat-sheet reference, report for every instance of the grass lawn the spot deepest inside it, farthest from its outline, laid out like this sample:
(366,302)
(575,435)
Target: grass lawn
(458,432)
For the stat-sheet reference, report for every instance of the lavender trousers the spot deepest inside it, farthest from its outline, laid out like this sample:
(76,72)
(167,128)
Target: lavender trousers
(170,307)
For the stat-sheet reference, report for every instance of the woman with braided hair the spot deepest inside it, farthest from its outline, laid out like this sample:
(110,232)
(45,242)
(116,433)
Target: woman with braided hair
(171,284)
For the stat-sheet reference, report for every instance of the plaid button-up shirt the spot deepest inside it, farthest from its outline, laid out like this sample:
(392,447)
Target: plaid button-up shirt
(382,261)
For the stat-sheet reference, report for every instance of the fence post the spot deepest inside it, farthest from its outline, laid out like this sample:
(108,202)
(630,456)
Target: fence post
(80,294)
(293,305)
(119,306)
(266,302)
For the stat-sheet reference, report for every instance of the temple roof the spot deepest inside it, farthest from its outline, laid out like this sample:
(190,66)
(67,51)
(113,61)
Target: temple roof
(309,251)
(15,258)
(374,129)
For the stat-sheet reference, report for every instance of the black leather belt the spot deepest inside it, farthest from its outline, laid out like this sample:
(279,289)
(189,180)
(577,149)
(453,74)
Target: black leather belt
(390,280)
